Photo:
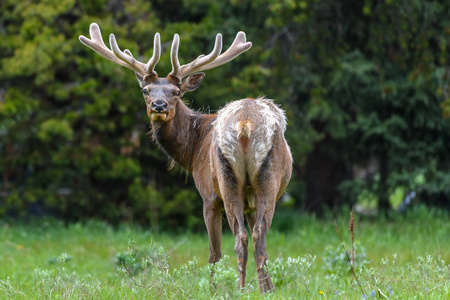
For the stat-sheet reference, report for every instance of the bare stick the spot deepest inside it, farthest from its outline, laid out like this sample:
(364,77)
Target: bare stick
(381,294)
(352,232)
(348,257)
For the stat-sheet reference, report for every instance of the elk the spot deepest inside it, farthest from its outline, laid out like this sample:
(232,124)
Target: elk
(239,158)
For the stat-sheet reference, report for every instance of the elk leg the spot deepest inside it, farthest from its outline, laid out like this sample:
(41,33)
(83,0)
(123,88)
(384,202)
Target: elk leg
(265,206)
(241,249)
(260,253)
(229,187)
(235,216)
(213,220)
(251,220)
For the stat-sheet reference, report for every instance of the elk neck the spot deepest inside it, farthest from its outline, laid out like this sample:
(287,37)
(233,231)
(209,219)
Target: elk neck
(183,136)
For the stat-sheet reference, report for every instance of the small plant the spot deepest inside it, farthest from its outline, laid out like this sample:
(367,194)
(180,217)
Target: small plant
(59,283)
(148,268)
(351,257)
(295,272)
(9,291)
(224,279)
(62,259)
(136,260)
(188,281)
(428,277)
(336,261)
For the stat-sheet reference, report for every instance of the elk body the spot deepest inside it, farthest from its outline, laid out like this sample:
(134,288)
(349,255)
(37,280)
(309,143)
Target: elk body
(239,158)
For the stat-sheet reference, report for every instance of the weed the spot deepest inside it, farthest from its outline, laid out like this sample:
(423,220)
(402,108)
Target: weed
(9,291)
(295,272)
(187,281)
(59,283)
(148,269)
(336,261)
(151,258)
(427,277)
(351,261)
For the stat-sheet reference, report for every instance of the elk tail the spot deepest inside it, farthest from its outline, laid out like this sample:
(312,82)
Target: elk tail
(243,129)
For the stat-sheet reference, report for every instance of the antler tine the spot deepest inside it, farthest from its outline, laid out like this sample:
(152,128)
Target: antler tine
(96,43)
(239,46)
(212,60)
(130,61)
(197,64)
(174,56)
(150,66)
(117,56)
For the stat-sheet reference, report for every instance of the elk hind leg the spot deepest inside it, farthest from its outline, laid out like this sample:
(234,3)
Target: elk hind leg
(234,208)
(235,216)
(230,187)
(265,207)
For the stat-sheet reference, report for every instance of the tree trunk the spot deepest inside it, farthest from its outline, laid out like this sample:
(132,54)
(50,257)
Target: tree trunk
(383,196)
(324,174)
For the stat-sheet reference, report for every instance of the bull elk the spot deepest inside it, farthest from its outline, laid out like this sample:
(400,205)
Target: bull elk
(238,157)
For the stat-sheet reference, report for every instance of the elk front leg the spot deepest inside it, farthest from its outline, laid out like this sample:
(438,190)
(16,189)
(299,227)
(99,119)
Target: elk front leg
(212,213)
(213,220)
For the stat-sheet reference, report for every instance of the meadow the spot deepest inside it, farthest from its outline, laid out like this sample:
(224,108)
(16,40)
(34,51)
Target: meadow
(405,257)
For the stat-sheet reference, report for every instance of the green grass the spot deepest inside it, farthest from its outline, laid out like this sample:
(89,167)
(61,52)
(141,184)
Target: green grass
(403,258)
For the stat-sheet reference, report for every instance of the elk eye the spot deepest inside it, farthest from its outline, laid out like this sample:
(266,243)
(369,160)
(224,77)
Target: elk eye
(177,93)
(145,91)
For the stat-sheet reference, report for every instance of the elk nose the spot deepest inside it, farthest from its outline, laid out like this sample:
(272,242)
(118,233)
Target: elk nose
(159,105)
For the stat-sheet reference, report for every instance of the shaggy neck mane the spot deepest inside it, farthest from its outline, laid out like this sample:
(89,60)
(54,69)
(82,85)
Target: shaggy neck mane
(182,136)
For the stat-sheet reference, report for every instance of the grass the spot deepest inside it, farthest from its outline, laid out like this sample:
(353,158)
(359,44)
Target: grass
(403,258)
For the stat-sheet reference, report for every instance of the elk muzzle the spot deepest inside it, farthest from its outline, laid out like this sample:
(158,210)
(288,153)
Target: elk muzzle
(158,110)
(159,106)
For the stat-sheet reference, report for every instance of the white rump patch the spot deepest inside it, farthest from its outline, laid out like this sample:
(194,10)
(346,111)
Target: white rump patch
(256,119)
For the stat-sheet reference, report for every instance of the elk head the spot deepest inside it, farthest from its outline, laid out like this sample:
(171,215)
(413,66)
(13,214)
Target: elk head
(162,94)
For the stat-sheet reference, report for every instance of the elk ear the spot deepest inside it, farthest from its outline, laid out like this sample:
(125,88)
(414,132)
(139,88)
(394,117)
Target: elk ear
(192,82)
(144,81)
(141,80)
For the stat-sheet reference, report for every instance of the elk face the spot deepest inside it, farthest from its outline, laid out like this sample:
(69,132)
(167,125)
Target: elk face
(162,94)
(161,98)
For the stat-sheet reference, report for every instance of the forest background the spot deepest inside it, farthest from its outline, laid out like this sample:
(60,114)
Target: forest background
(364,85)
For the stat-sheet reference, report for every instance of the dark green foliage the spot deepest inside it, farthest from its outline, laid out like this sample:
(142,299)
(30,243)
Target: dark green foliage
(370,79)
(360,81)
(73,125)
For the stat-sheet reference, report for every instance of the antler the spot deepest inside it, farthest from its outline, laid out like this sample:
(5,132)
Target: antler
(124,58)
(212,60)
